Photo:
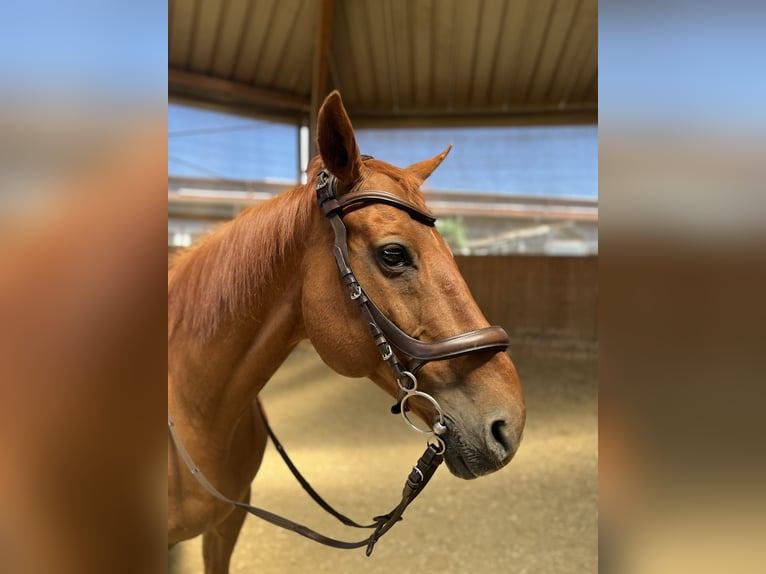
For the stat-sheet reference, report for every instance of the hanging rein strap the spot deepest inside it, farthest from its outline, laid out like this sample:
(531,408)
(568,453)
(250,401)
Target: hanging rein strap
(419,476)
(305,483)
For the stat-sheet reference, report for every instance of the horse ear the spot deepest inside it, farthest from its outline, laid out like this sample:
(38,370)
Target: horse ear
(336,142)
(423,169)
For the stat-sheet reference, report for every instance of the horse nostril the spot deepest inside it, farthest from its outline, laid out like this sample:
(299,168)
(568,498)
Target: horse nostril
(497,433)
(501,433)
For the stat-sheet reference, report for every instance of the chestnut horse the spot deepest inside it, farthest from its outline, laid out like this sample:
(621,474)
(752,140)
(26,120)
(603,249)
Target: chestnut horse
(241,300)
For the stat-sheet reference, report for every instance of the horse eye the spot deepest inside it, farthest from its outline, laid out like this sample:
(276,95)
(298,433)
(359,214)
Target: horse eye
(394,256)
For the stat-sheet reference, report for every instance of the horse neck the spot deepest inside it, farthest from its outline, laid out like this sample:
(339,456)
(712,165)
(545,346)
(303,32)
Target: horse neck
(219,362)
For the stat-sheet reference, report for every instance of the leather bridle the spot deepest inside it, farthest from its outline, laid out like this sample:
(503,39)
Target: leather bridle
(389,339)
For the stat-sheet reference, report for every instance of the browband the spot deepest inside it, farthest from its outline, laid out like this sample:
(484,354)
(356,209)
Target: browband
(358,199)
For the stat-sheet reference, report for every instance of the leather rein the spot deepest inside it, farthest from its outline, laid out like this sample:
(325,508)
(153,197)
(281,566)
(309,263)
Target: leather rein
(389,339)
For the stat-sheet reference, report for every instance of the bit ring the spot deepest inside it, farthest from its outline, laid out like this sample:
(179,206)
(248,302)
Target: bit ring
(430,399)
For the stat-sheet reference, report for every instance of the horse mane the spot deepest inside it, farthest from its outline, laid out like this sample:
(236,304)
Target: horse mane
(223,276)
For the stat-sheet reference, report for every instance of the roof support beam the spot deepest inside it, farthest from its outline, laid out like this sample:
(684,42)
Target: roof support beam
(320,70)
(189,84)
(469,117)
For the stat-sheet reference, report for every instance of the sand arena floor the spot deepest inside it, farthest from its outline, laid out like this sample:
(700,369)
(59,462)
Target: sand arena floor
(537,515)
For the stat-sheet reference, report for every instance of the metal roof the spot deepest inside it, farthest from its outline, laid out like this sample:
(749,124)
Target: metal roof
(424,62)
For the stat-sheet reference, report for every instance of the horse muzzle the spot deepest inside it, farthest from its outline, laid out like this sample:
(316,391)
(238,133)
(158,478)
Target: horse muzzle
(472,454)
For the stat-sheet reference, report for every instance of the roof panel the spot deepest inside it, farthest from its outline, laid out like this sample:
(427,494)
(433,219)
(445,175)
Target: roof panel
(557,43)
(422,52)
(508,53)
(206,33)
(180,26)
(233,24)
(342,59)
(466,18)
(279,36)
(400,39)
(581,37)
(364,33)
(255,42)
(539,15)
(442,63)
(360,73)
(586,76)
(491,18)
(415,59)
(294,73)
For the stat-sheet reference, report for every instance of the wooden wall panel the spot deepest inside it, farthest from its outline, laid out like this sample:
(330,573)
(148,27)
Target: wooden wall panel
(545,296)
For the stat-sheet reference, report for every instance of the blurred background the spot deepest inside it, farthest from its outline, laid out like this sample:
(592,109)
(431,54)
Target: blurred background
(682,134)
(83,146)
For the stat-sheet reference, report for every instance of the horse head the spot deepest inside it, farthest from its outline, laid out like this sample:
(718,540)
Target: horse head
(409,272)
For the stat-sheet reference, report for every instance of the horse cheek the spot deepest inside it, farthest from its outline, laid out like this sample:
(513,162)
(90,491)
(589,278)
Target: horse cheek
(336,329)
